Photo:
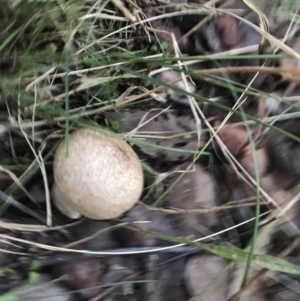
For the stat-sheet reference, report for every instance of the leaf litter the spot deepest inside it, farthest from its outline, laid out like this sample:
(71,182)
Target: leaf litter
(206,93)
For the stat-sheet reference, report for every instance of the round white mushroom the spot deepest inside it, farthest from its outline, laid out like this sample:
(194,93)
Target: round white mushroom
(98,176)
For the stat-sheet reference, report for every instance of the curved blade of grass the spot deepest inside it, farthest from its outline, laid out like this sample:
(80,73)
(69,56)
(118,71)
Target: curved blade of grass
(9,39)
(232,253)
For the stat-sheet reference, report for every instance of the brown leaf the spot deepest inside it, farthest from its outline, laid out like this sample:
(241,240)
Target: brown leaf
(80,274)
(234,138)
(291,63)
(196,190)
(165,124)
(93,235)
(200,271)
(152,221)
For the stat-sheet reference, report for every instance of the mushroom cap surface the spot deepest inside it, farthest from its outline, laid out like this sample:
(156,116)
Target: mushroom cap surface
(100,177)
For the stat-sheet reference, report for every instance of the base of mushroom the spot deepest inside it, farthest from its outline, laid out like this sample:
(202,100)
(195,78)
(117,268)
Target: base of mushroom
(61,204)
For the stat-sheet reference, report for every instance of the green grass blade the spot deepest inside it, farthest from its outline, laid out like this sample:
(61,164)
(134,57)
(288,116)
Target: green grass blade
(9,39)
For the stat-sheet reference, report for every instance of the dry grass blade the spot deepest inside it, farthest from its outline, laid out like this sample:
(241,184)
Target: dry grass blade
(267,36)
(263,23)
(120,5)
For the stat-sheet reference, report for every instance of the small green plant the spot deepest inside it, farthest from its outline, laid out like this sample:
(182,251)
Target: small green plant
(33,274)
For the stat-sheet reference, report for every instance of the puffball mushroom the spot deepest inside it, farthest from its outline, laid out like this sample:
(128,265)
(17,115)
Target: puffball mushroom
(99,177)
